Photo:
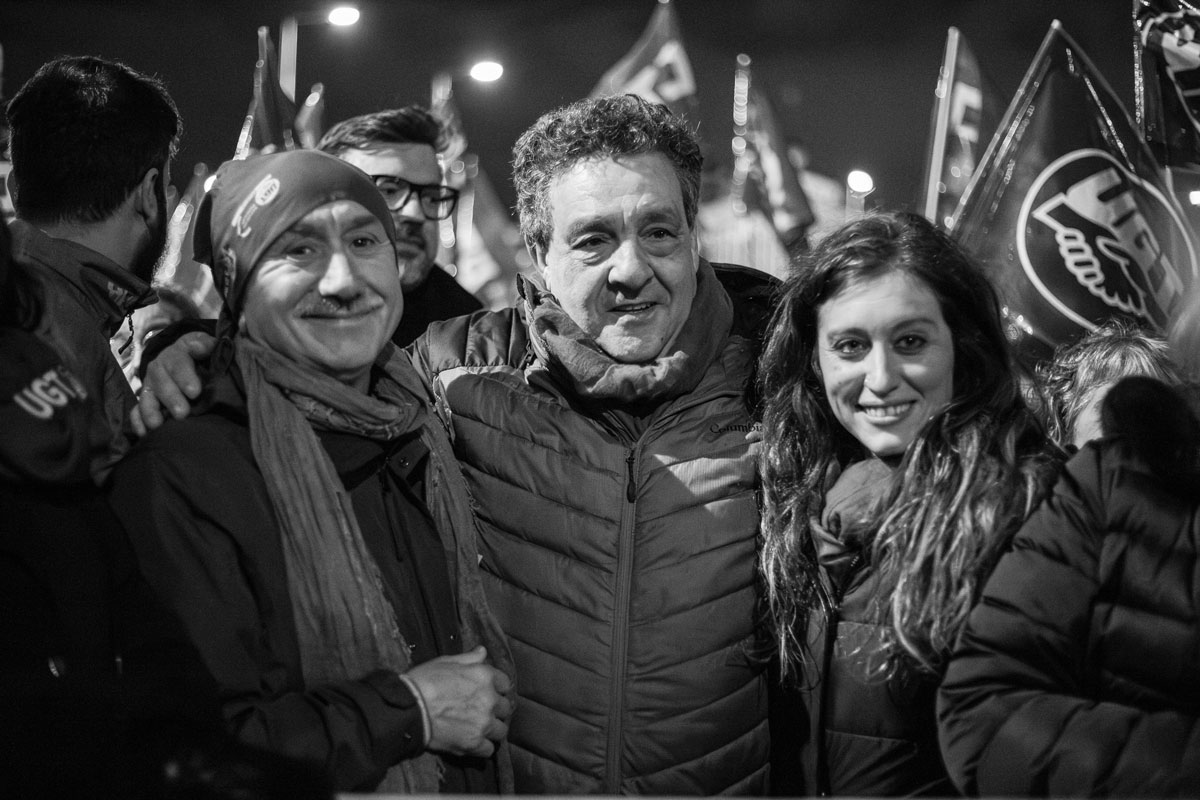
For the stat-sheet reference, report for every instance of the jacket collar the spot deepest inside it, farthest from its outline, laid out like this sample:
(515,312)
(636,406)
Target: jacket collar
(109,290)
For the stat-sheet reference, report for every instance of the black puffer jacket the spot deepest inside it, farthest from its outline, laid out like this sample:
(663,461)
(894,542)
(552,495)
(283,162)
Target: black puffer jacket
(871,731)
(1079,671)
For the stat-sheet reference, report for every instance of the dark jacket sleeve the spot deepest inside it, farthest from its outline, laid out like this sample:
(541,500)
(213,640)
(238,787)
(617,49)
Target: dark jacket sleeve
(1018,710)
(207,542)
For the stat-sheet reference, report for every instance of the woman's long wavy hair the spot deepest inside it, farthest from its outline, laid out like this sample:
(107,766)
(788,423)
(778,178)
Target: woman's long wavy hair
(964,484)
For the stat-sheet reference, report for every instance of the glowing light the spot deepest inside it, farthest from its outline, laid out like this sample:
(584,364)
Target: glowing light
(209,181)
(487,71)
(343,15)
(1194,198)
(860,182)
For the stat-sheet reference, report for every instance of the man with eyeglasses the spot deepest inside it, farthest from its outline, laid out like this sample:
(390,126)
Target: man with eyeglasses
(398,148)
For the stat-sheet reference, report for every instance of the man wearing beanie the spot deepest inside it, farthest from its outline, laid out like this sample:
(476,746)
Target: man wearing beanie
(309,523)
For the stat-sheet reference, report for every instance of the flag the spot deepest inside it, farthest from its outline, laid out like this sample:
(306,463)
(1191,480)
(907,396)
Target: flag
(1070,212)
(1167,77)
(310,119)
(763,177)
(657,68)
(269,121)
(178,267)
(443,107)
(965,114)
(490,249)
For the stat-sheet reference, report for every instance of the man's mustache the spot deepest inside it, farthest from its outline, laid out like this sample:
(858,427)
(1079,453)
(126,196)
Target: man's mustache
(335,307)
(408,232)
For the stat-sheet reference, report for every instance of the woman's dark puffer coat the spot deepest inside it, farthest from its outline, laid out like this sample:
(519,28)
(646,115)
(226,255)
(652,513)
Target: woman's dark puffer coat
(1079,671)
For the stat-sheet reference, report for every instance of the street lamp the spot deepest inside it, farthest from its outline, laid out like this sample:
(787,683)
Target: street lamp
(441,86)
(859,184)
(486,71)
(289,30)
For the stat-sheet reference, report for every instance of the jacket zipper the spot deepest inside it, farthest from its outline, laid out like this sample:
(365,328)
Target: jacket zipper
(621,626)
(831,633)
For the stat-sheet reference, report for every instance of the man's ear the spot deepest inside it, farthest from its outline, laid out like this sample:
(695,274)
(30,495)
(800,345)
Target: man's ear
(695,251)
(145,196)
(538,256)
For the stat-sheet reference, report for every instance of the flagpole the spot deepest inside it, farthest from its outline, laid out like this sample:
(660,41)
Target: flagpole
(937,157)
(289,34)
(741,95)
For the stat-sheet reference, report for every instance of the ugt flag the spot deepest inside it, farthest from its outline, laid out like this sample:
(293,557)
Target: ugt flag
(964,118)
(657,68)
(1069,210)
(1167,69)
(268,125)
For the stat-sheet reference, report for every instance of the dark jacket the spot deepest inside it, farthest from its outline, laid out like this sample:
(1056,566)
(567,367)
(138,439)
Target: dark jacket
(206,536)
(86,296)
(98,683)
(620,560)
(439,297)
(870,732)
(1078,672)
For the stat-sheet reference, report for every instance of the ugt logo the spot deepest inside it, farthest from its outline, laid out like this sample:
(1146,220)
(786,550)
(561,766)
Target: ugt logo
(1097,241)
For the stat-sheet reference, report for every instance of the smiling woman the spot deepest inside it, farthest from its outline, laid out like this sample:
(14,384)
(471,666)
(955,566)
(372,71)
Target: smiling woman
(886,358)
(899,458)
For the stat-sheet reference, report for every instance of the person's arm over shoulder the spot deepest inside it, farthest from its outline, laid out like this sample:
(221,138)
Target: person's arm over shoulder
(1017,712)
(154,346)
(191,531)
(173,373)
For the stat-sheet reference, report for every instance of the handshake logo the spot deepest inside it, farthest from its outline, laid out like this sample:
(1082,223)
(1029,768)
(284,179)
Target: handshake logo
(1122,247)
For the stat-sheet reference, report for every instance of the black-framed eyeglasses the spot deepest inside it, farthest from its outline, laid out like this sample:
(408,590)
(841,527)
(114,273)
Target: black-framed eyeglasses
(436,201)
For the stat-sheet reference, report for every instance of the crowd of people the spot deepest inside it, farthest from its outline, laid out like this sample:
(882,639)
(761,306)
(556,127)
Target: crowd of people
(665,527)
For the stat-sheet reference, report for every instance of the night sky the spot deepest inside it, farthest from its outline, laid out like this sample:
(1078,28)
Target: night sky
(853,81)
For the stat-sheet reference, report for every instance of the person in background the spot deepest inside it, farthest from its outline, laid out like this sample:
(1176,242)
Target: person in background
(1076,381)
(100,691)
(7,212)
(309,524)
(1077,673)
(899,457)
(91,143)
(399,148)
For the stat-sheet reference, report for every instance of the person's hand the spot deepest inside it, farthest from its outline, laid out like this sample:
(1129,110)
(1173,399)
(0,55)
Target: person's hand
(171,382)
(466,701)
